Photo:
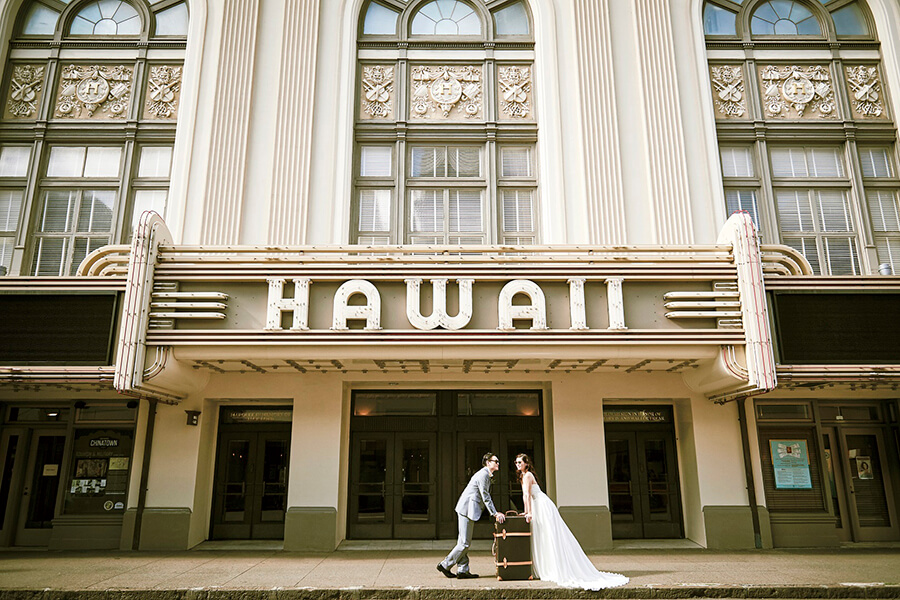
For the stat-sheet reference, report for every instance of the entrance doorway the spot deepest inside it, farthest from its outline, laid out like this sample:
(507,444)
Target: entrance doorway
(32,464)
(861,489)
(644,496)
(412,453)
(250,486)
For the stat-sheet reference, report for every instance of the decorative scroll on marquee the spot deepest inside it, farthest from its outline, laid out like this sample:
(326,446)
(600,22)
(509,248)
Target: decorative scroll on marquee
(85,91)
(791,91)
(25,89)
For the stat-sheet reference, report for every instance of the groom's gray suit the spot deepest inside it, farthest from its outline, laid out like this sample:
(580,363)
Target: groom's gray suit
(475,499)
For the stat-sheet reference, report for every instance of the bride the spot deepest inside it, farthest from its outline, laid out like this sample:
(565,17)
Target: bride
(556,553)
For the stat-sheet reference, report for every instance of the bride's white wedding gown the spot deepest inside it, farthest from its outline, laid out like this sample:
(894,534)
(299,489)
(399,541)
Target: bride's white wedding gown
(557,555)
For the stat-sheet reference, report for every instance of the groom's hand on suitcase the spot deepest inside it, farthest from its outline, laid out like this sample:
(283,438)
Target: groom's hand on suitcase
(500,517)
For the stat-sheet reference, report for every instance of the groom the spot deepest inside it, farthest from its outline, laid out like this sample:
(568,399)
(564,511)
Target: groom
(474,499)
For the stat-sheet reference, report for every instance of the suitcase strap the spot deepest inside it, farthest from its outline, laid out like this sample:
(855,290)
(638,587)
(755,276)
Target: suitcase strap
(507,563)
(504,534)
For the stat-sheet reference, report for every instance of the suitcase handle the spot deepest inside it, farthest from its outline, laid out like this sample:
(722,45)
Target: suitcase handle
(513,513)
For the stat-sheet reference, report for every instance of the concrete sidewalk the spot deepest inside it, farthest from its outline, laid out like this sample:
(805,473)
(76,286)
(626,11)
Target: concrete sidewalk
(408,572)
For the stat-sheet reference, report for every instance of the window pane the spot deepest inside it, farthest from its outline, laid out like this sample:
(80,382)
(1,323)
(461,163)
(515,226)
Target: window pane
(465,210)
(834,211)
(6,249)
(172,21)
(59,211)
(884,210)
(789,162)
(10,205)
(375,210)
(463,162)
(876,162)
(14,161)
(515,162)
(512,20)
(517,211)
(373,240)
(825,162)
(850,21)
(736,162)
(41,20)
(446,17)
(83,247)
(66,161)
(106,17)
(380,20)
(375,161)
(144,200)
(737,200)
(718,21)
(794,213)
(889,252)
(840,252)
(427,211)
(50,256)
(102,162)
(95,214)
(156,161)
(428,162)
(807,247)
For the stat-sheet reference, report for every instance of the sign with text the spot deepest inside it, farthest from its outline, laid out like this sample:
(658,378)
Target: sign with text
(790,460)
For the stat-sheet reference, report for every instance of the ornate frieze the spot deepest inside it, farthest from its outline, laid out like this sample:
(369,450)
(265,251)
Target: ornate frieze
(163,92)
(798,92)
(377,101)
(25,89)
(864,91)
(444,92)
(728,91)
(94,91)
(515,92)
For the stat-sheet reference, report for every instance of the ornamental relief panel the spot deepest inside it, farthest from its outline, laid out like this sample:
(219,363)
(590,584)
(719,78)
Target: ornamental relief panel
(797,92)
(94,92)
(163,92)
(377,92)
(865,92)
(514,85)
(444,92)
(25,87)
(728,91)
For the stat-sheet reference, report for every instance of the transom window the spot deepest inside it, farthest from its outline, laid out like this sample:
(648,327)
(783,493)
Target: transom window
(454,160)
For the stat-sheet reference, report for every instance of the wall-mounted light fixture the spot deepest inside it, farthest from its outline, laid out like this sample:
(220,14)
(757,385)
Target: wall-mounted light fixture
(193,417)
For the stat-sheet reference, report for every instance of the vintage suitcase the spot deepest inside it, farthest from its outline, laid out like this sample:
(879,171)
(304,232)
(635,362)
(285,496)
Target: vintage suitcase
(512,548)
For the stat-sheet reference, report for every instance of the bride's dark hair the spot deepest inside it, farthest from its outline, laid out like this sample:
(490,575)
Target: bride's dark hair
(529,467)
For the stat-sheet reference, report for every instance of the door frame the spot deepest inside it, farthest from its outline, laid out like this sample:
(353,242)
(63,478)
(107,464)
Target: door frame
(858,533)
(20,536)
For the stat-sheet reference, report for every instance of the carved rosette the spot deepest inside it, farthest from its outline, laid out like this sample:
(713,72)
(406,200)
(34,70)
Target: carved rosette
(377,92)
(864,91)
(163,92)
(25,89)
(515,92)
(728,91)
(94,91)
(444,92)
(798,92)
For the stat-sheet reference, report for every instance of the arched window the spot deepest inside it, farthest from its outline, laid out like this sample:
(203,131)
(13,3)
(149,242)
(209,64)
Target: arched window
(454,160)
(105,153)
(807,179)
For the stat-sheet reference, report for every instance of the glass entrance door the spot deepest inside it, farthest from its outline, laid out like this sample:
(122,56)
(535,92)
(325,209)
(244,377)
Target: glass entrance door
(251,484)
(393,486)
(643,484)
(862,491)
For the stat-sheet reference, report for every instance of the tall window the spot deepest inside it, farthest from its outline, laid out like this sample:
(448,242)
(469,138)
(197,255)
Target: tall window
(446,124)
(103,79)
(817,175)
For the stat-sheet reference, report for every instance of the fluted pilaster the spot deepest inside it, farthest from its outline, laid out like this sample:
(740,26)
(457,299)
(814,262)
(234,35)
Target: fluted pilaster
(664,128)
(606,204)
(293,141)
(231,122)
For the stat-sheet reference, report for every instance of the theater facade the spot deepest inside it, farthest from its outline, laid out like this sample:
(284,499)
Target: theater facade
(287,270)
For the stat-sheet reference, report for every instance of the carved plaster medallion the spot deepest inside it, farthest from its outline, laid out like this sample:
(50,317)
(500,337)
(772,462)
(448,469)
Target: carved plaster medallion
(728,91)
(163,92)
(790,90)
(377,100)
(515,91)
(446,92)
(84,90)
(864,90)
(25,89)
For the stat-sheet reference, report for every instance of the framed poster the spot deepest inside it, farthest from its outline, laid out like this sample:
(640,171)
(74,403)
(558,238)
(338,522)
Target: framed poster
(790,461)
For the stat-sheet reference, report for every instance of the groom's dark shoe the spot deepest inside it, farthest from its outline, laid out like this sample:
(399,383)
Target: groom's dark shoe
(445,571)
(466,576)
